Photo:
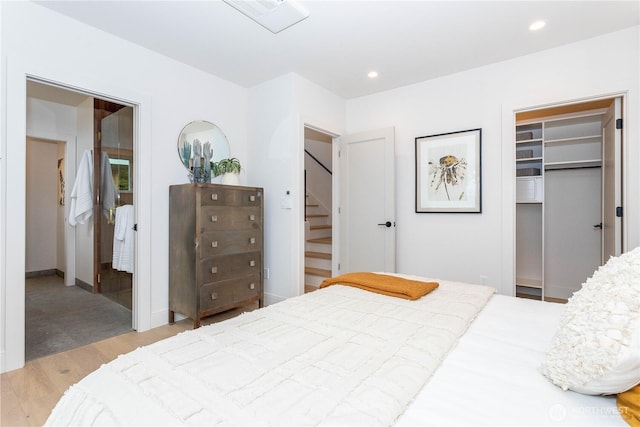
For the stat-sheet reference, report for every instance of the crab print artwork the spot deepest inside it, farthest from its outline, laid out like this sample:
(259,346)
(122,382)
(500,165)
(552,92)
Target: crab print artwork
(447,176)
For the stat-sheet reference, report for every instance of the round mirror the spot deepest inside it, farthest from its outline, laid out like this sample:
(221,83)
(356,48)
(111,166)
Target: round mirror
(203,132)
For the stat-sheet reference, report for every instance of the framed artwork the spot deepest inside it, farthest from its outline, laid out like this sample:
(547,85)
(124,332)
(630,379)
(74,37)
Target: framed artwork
(448,172)
(61,182)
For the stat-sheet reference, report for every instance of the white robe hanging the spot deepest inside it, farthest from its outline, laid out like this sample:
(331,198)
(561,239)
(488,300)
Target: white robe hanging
(81,207)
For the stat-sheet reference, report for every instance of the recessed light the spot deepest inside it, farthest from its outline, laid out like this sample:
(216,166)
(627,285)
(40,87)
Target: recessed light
(537,25)
(372,74)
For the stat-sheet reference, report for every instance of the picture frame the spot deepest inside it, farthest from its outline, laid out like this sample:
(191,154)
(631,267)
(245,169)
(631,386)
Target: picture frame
(449,172)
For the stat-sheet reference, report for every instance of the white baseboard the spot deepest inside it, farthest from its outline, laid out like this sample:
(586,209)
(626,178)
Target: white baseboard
(272,299)
(161,318)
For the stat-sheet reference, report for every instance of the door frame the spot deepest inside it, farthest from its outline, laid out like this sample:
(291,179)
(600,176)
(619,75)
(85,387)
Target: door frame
(298,250)
(12,225)
(509,110)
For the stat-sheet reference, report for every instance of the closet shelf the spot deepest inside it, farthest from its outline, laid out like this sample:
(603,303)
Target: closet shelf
(573,164)
(529,159)
(573,140)
(529,283)
(529,141)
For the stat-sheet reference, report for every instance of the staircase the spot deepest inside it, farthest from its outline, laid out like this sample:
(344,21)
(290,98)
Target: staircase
(317,255)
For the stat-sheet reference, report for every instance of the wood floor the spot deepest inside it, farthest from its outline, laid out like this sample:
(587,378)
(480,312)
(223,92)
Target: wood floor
(29,394)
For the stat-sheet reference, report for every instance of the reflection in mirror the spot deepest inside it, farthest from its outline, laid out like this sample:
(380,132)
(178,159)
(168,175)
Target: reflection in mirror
(120,169)
(200,143)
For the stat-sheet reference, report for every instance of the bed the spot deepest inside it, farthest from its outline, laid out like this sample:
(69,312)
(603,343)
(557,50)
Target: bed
(460,355)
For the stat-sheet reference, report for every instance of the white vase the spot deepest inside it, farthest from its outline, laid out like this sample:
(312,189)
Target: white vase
(230,178)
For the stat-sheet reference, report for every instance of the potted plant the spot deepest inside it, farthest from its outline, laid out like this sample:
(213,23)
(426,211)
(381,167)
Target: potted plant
(228,168)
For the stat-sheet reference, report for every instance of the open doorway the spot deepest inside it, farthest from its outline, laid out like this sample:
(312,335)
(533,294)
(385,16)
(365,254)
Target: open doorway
(66,278)
(318,183)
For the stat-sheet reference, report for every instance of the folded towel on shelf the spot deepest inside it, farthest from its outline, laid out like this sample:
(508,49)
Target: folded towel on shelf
(81,207)
(123,239)
(384,284)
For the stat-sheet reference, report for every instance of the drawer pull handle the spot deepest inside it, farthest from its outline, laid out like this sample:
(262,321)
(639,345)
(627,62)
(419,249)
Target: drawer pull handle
(214,295)
(252,217)
(252,240)
(214,218)
(252,263)
(214,196)
(214,270)
(252,285)
(252,198)
(214,244)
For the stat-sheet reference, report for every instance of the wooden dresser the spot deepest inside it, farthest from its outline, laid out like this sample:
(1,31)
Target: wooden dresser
(215,249)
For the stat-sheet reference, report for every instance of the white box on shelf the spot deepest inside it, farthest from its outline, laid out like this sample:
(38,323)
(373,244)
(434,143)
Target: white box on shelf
(529,189)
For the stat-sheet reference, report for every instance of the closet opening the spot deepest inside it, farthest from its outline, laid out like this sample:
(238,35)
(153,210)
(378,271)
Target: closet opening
(568,172)
(80,164)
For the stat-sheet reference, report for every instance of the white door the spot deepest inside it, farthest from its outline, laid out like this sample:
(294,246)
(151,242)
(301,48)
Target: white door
(367,202)
(611,182)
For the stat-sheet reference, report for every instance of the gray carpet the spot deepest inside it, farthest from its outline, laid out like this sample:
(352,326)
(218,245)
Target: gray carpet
(60,318)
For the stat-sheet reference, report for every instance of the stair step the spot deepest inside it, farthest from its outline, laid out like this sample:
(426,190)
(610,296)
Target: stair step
(317,216)
(312,205)
(326,240)
(317,271)
(320,227)
(313,254)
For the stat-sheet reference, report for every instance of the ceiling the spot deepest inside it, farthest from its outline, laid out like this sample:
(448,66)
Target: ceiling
(341,41)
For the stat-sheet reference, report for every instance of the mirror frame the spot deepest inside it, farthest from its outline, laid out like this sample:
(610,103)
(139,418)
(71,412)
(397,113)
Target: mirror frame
(204,131)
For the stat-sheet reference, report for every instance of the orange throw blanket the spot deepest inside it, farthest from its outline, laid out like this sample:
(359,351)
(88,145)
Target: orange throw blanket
(629,406)
(384,284)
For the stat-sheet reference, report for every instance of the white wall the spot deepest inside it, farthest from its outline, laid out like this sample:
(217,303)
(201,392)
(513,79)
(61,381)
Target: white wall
(36,41)
(467,246)
(42,206)
(278,111)
(57,122)
(318,179)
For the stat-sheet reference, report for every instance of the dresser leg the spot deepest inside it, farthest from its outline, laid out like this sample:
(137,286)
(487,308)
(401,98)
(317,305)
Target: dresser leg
(172,319)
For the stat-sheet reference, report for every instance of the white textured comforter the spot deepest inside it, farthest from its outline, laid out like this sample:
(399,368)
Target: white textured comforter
(337,356)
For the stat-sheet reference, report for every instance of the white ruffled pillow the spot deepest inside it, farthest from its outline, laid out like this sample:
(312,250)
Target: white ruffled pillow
(596,349)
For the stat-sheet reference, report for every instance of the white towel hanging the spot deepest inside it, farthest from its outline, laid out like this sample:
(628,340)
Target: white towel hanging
(81,207)
(123,239)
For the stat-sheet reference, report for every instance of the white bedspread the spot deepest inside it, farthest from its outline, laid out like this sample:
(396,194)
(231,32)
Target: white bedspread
(491,378)
(337,356)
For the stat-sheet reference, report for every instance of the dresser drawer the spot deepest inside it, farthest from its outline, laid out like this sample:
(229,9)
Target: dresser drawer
(230,242)
(229,292)
(221,196)
(226,267)
(216,218)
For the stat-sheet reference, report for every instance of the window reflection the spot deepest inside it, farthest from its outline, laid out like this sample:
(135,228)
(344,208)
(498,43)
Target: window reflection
(120,169)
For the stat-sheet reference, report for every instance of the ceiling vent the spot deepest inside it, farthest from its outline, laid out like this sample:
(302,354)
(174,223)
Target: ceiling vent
(274,15)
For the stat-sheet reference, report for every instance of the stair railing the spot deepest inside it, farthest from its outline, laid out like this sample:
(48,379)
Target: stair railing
(305,178)
(318,161)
